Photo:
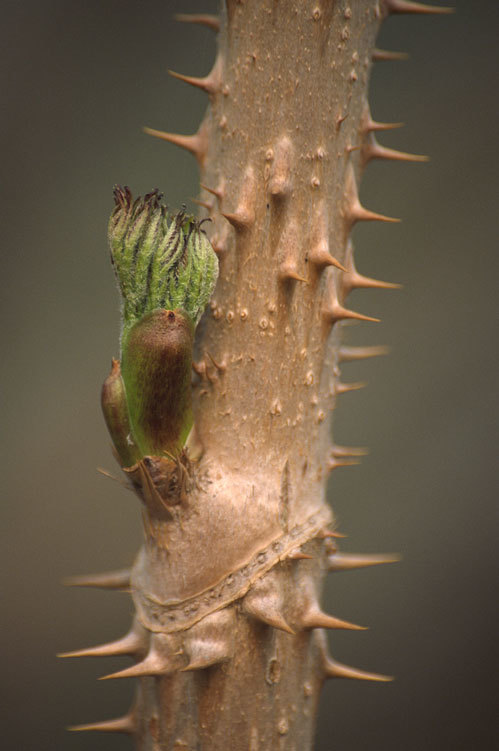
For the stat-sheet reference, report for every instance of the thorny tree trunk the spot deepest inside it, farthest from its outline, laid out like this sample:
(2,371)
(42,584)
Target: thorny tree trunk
(228,640)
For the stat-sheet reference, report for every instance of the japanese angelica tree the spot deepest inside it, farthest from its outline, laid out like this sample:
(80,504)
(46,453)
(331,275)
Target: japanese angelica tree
(229,639)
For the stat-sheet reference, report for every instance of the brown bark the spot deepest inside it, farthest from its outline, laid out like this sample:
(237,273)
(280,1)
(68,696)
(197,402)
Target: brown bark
(229,642)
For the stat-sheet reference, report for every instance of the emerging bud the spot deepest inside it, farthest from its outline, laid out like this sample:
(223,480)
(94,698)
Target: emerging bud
(160,261)
(156,367)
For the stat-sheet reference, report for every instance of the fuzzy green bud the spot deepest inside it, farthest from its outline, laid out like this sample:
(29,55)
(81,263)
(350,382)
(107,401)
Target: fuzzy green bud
(160,261)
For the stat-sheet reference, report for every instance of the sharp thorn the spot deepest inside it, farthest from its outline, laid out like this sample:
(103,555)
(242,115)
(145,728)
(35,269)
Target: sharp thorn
(338,313)
(205,654)
(136,671)
(315,618)
(358,213)
(264,605)
(214,191)
(351,561)
(239,220)
(351,354)
(205,84)
(335,669)
(109,580)
(340,119)
(344,388)
(203,19)
(342,451)
(325,533)
(193,144)
(373,126)
(271,618)
(320,256)
(353,280)
(220,366)
(204,204)
(288,273)
(157,662)
(337,463)
(132,643)
(403,6)
(374,150)
(381,55)
(124,724)
(298,555)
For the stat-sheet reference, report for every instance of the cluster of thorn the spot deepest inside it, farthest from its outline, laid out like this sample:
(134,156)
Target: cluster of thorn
(210,641)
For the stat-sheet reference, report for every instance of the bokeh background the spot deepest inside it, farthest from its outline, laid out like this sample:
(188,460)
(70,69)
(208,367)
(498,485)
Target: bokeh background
(79,80)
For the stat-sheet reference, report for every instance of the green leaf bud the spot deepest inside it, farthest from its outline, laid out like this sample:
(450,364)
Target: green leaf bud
(160,261)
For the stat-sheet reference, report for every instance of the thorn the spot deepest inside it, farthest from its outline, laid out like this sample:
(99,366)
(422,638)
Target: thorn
(209,84)
(318,253)
(244,216)
(354,211)
(353,280)
(209,642)
(335,669)
(373,126)
(203,19)
(357,213)
(125,724)
(263,612)
(240,220)
(157,662)
(387,55)
(325,533)
(315,618)
(109,580)
(135,642)
(337,312)
(195,144)
(374,150)
(340,119)
(344,388)
(204,204)
(401,6)
(350,561)
(204,653)
(320,256)
(220,366)
(298,555)
(336,463)
(205,84)
(263,602)
(214,191)
(342,451)
(351,354)
(287,272)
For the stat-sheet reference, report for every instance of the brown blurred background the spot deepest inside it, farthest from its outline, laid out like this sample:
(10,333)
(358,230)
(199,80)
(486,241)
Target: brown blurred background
(79,80)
